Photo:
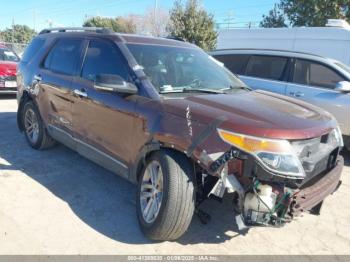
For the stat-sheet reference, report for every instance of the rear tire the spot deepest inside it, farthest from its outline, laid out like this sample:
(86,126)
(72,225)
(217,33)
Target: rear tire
(34,128)
(177,201)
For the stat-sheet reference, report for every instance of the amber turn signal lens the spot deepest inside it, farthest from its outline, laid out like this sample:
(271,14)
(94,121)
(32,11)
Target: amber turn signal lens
(251,144)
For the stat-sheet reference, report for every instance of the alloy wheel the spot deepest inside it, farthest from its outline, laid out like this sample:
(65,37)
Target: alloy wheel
(31,125)
(151,194)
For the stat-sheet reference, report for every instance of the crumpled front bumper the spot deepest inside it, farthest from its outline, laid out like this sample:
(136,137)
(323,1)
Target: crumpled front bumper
(310,196)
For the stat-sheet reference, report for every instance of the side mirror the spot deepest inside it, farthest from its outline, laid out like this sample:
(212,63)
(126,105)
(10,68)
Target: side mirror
(114,83)
(343,86)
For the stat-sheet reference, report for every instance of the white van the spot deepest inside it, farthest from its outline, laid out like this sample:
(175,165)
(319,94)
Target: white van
(332,41)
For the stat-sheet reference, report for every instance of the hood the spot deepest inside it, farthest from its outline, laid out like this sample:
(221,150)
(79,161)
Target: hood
(256,113)
(8,68)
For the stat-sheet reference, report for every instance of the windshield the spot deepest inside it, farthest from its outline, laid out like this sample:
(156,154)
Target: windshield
(8,55)
(182,69)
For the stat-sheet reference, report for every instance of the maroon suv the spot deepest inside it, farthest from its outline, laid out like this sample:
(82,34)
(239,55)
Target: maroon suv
(167,116)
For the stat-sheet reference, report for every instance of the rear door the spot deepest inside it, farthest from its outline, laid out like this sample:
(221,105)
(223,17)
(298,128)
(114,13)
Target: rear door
(55,79)
(266,73)
(315,82)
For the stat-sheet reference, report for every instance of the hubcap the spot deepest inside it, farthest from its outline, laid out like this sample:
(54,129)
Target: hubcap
(151,194)
(31,125)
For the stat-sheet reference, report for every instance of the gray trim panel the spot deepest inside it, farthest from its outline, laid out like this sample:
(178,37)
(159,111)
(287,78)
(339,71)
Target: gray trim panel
(89,151)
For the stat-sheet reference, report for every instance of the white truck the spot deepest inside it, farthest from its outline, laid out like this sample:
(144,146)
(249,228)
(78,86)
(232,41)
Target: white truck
(332,41)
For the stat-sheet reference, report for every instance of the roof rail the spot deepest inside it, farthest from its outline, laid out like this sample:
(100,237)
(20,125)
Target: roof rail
(175,38)
(100,30)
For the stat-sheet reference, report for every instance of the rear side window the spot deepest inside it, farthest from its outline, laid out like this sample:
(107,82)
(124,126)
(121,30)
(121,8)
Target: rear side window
(32,49)
(269,67)
(235,63)
(103,57)
(64,56)
(315,74)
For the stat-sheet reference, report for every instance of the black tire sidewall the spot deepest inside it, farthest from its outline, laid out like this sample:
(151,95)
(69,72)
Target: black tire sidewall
(27,106)
(149,227)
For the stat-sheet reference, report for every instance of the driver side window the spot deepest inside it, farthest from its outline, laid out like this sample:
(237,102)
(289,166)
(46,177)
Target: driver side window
(315,74)
(103,58)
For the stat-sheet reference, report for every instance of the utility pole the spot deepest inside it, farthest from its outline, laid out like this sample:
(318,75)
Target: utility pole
(155,19)
(34,19)
(13,31)
(155,10)
(229,19)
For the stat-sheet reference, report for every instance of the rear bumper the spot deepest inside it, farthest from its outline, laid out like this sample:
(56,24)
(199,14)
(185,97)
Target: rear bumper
(307,198)
(7,90)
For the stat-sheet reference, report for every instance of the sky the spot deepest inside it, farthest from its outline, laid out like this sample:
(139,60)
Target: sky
(38,14)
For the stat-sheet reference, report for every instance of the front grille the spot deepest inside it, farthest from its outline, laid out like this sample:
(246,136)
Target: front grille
(317,155)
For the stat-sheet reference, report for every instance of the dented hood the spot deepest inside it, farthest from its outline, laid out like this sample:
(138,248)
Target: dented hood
(255,113)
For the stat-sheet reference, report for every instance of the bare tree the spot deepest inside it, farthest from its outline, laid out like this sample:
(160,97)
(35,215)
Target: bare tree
(153,22)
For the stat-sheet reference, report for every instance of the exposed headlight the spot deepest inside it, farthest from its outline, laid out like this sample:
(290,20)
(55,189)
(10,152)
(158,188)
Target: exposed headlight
(276,155)
(336,138)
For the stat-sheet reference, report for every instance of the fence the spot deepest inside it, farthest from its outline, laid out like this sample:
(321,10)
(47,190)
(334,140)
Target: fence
(17,47)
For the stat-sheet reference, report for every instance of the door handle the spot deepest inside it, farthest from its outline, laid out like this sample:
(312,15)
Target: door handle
(80,93)
(296,94)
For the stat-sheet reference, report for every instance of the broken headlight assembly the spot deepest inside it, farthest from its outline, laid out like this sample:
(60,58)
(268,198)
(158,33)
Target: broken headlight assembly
(335,137)
(275,155)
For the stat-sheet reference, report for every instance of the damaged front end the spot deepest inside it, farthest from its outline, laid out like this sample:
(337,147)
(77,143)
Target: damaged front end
(273,181)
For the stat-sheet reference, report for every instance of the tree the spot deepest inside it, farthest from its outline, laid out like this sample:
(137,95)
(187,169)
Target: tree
(193,24)
(275,18)
(118,24)
(313,12)
(154,22)
(21,34)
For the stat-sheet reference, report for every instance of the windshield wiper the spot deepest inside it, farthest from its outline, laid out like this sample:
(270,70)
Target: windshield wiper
(236,87)
(192,90)
(203,90)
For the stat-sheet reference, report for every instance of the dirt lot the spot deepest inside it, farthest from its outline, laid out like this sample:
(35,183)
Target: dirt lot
(56,202)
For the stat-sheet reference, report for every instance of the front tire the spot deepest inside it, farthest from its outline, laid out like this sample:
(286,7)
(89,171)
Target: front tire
(34,129)
(166,196)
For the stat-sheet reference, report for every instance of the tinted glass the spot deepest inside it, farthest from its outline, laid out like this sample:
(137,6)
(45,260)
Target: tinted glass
(176,69)
(63,57)
(314,74)
(33,49)
(8,55)
(235,63)
(269,67)
(103,58)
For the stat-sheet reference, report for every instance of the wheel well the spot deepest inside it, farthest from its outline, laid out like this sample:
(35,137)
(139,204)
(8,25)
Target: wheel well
(25,97)
(143,160)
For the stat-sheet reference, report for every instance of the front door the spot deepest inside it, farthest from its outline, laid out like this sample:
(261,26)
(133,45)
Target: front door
(315,83)
(104,120)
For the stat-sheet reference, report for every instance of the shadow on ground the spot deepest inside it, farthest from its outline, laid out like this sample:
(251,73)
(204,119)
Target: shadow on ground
(346,155)
(101,199)
(6,97)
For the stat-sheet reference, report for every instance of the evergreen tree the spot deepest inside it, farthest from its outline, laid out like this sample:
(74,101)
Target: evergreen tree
(192,23)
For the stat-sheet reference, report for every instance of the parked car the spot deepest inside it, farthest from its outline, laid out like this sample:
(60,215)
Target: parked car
(321,81)
(8,65)
(171,119)
(331,41)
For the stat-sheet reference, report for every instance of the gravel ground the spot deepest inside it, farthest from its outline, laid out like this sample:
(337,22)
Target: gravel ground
(57,202)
